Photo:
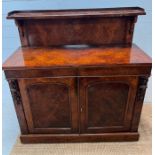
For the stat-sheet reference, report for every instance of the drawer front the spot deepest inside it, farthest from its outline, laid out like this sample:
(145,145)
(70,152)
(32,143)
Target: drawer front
(50,104)
(107,103)
(40,72)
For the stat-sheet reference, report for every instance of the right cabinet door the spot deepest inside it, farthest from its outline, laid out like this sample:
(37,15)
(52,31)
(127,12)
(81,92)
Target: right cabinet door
(106,103)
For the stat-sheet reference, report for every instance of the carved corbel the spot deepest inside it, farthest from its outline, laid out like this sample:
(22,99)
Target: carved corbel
(142,88)
(14,88)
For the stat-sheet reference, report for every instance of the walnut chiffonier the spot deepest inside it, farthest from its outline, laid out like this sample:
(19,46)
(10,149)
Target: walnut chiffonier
(77,76)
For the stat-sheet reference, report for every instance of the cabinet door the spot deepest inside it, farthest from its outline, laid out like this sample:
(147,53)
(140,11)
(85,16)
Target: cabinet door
(106,103)
(50,104)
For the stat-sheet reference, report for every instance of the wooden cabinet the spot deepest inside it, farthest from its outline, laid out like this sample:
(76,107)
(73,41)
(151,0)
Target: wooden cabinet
(107,103)
(78,77)
(57,105)
(50,104)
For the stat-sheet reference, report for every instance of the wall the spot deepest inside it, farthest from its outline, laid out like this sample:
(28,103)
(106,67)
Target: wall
(142,37)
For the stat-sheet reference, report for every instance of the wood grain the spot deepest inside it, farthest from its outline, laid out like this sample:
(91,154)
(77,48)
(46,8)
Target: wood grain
(26,58)
(88,26)
(107,137)
(106,12)
(50,104)
(107,103)
(79,76)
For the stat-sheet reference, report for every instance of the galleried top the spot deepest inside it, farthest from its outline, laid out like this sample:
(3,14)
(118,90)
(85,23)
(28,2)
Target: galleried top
(105,12)
(46,28)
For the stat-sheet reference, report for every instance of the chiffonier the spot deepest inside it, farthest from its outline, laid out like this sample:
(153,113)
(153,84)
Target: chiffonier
(77,76)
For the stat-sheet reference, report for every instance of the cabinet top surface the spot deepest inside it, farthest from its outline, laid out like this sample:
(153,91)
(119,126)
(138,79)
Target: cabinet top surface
(27,58)
(77,13)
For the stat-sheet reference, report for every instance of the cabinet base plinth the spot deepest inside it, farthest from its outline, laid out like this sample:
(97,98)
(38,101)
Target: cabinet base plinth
(107,137)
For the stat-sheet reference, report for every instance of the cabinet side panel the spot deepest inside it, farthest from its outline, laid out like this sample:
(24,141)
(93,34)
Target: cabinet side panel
(22,29)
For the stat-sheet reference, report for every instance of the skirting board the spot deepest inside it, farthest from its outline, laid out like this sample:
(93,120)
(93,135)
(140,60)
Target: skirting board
(107,137)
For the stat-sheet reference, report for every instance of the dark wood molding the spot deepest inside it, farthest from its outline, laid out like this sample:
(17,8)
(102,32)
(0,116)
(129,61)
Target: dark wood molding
(106,137)
(14,88)
(76,13)
(142,85)
(142,88)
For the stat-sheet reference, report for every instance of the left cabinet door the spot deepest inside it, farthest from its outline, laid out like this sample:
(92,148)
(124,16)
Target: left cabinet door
(50,104)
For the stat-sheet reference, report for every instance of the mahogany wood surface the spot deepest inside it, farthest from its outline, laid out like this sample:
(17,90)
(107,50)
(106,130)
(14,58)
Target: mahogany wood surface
(28,58)
(78,77)
(50,104)
(107,103)
(106,137)
(103,12)
(85,26)
(15,91)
